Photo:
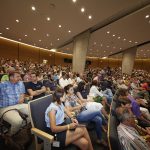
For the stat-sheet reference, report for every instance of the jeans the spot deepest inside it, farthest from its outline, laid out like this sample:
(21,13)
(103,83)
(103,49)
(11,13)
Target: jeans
(92,116)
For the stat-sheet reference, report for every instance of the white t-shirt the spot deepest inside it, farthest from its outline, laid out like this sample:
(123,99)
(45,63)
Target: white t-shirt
(95,92)
(63,82)
(92,106)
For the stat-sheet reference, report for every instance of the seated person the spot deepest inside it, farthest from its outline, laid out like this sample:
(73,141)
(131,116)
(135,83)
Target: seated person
(35,88)
(97,95)
(128,135)
(63,80)
(83,115)
(12,97)
(65,134)
(143,121)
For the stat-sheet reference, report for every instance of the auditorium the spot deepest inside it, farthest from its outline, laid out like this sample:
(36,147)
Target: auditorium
(74,74)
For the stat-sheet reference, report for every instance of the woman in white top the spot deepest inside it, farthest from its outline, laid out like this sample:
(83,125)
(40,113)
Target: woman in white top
(65,134)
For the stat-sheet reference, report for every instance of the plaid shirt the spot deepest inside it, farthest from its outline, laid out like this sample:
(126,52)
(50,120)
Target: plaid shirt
(10,93)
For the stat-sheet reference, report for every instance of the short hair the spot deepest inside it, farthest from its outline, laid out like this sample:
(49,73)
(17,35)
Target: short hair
(57,95)
(63,73)
(11,74)
(121,92)
(94,82)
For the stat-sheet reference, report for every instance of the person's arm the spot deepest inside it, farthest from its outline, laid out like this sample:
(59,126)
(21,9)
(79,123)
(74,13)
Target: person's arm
(37,92)
(70,108)
(80,97)
(97,92)
(21,99)
(104,113)
(56,128)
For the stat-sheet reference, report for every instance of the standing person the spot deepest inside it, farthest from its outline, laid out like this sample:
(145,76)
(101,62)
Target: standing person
(12,97)
(65,134)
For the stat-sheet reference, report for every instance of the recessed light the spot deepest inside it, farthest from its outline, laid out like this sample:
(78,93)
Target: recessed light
(33,8)
(25,35)
(19,39)
(114,35)
(136,42)
(58,39)
(90,17)
(104,51)
(48,18)
(107,45)
(120,48)
(130,41)
(69,31)
(59,26)
(7,28)
(124,39)
(51,44)
(94,43)
(108,32)
(101,45)
(34,29)
(0,33)
(82,9)
(74,1)
(110,52)
(118,37)
(147,16)
(40,40)
(47,35)
(17,20)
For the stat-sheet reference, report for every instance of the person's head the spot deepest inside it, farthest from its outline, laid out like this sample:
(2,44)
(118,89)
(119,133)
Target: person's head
(64,75)
(14,77)
(94,82)
(125,103)
(69,89)
(81,86)
(122,92)
(34,77)
(125,117)
(58,94)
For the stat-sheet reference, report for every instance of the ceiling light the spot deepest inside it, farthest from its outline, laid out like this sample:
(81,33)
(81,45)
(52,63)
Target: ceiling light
(118,37)
(74,1)
(114,47)
(33,8)
(7,28)
(34,29)
(147,16)
(136,42)
(69,31)
(82,9)
(124,39)
(94,43)
(53,50)
(107,45)
(114,35)
(17,20)
(104,57)
(48,18)
(40,40)
(130,41)
(58,39)
(59,26)
(104,51)
(0,33)
(108,32)
(51,44)
(25,35)
(101,45)
(120,48)
(47,35)
(90,17)
(19,39)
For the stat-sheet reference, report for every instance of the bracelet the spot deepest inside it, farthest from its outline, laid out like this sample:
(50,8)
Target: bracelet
(68,127)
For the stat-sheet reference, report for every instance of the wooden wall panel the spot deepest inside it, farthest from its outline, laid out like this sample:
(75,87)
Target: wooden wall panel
(28,53)
(8,49)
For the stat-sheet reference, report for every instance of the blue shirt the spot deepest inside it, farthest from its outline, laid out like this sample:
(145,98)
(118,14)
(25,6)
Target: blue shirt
(59,114)
(10,93)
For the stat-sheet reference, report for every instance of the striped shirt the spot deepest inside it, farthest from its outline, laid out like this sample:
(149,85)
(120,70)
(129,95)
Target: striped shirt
(10,93)
(130,139)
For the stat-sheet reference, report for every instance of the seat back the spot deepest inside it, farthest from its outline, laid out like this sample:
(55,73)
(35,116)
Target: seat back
(113,139)
(37,110)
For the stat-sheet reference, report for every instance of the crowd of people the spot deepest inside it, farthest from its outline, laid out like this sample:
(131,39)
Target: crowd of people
(81,98)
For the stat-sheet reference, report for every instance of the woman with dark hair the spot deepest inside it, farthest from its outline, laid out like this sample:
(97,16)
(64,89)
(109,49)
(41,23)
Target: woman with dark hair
(83,115)
(65,134)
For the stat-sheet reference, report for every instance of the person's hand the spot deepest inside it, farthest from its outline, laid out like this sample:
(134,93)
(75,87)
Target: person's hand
(73,125)
(74,120)
(20,101)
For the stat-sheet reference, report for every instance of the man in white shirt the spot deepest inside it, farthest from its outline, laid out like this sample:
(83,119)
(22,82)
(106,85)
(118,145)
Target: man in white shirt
(63,80)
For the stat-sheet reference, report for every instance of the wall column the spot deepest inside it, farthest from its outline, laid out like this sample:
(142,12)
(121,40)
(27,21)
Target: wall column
(80,46)
(128,60)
